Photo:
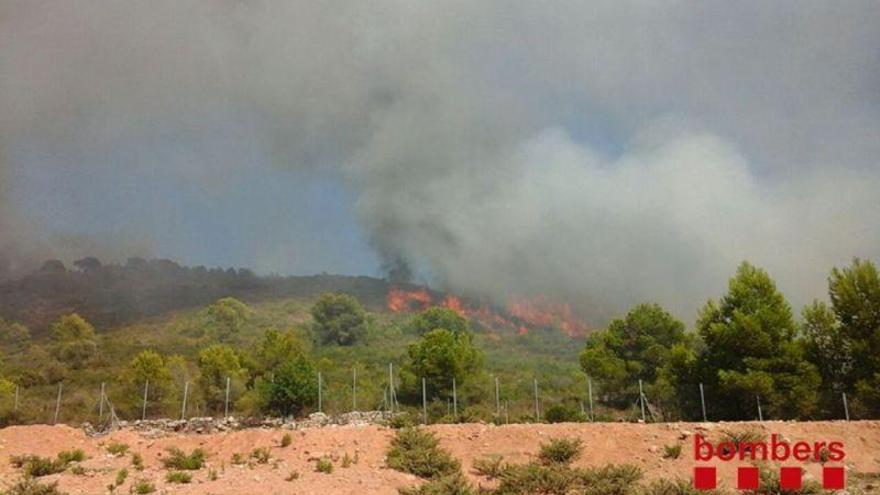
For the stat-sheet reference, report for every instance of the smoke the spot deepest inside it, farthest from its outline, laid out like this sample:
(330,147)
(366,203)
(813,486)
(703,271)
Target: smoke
(603,153)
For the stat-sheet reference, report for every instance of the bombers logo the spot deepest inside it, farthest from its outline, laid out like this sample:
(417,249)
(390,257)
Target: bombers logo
(778,450)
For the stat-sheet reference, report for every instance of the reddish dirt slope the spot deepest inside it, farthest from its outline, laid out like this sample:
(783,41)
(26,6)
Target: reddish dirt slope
(605,443)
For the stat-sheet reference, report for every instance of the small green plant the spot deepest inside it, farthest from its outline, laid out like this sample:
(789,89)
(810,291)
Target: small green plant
(121,476)
(143,487)
(560,451)
(238,459)
(77,470)
(401,420)
(736,438)
(454,484)
(137,461)
(67,456)
(294,475)
(116,448)
(490,466)
(35,466)
(30,486)
(286,440)
(179,460)
(672,487)
(181,477)
(417,452)
(769,485)
(672,451)
(261,455)
(324,465)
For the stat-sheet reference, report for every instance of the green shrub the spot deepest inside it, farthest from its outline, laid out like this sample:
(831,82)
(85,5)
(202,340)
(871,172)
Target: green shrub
(143,487)
(30,486)
(738,437)
(78,470)
(137,461)
(610,480)
(121,476)
(67,456)
(238,459)
(286,440)
(560,451)
(115,448)
(35,466)
(672,487)
(324,465)
(177,459)
(261,455)
(178,477)
(561,479)
(454,484)
(672,451)
(490,466)
(769,485)
(417,452)
(560,413)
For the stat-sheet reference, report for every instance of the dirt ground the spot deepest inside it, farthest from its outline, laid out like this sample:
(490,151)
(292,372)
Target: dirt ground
(617,443)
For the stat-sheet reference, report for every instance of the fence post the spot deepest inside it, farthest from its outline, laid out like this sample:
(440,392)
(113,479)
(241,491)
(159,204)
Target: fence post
(506,411)
(703,402)
(144,410)
(320,394)
(590,394)
(185,393)
(454,400)
(58,403)
(537,410)
(497,398)
(354,390)
(15,402)
(845,407)
(760,414)
(424,401)
(642,401)
(226,405)
(101,405)
(392,399)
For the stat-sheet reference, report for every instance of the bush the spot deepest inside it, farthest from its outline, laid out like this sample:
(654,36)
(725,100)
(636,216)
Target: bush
(67,456)
(137,461)
(417,452)
(610,480)
(286,440)
(453,484)
(739,437)
(143,487)
(121,476)
(769,485)
(676,487)
(30,486)
(672,451)
(490,467)
(563,414)
(115,448)
(339,319)
(324,465)
(178,477)
(261,455)
(292,389)
(177,459)
(560,451)
(36,466)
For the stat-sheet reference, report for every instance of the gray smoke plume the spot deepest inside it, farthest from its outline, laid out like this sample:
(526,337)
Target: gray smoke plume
(602,153)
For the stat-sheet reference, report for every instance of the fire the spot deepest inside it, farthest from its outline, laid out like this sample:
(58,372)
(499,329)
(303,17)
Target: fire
(521,313)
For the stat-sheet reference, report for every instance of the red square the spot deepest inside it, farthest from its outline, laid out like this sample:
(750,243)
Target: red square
(790,478)
(747,478)
(704,478)
(833,478)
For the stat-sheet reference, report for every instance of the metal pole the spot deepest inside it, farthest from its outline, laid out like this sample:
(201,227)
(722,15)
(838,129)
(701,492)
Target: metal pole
(703,402)
(760,414)
(15,403)
(424,401)
(497,398)
(320,394)
(506,411)
(185,393)
(354,390)
(58,403)
(845,407)
(590,394)
(537,411)
(454,400)
(642,400)
(144,410)
(226,407)
(101,406)
(391,385)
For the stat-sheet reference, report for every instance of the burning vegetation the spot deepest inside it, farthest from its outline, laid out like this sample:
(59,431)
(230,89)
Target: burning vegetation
(520,314)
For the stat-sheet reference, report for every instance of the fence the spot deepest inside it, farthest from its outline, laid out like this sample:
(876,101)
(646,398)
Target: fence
(25,408)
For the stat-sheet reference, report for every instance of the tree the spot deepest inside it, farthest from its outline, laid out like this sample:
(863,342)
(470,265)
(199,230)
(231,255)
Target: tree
(217,363)
(339,319)
(148,366)
(227,317)
(438,317)
(277,348)
(88,264)
(438,357)
(14,336)
(751,351)
(634,348)
(289,389)
(74,340)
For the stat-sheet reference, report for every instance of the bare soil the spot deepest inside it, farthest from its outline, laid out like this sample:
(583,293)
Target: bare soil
(616,443)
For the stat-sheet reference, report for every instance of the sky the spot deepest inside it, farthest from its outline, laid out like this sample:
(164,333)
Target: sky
(599,153)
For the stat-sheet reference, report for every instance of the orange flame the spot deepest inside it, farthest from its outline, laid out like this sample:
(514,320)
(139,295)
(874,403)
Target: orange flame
(400,300)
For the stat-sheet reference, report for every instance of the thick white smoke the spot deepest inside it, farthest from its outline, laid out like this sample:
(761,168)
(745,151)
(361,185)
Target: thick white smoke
(602,153)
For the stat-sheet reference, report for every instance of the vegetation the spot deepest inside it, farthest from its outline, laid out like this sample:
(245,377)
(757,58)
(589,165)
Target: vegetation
(142,487)
(36,466)
(116,448)
(30,486)
(286,440)
(417,452)
(560,451)
(339,319)
(178,477)
(324,465)
(672,451)
(178,459)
